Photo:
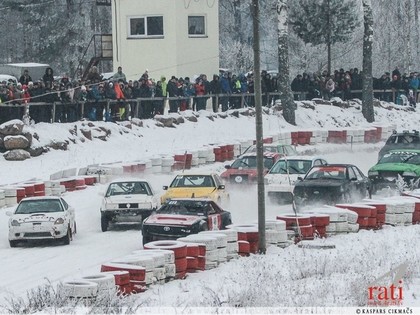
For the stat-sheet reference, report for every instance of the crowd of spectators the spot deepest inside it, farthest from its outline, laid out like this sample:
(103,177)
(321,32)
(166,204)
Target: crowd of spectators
(226,91)
(395,87)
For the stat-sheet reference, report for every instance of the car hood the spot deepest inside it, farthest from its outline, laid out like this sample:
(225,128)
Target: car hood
(129,198)
(237,171)
(282,178)
(320,183)
(38,217)
(183,192)
(173,219)
(396,167)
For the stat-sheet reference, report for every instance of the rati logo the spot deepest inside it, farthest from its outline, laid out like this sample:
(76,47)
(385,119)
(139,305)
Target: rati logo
(390,294)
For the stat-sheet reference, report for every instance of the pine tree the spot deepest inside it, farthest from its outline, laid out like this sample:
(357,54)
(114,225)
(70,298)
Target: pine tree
(324,22)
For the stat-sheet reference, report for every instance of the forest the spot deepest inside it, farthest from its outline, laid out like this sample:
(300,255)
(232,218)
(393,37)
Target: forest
(58,32)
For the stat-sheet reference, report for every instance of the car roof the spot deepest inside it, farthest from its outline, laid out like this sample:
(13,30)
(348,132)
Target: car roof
(404,150)
(42,198)
(301,157)
(197,174)
(265,154)
(341,165)
(191,199)
(128,179)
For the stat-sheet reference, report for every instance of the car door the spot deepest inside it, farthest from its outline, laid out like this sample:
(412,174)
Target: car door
(70,213)
(220,192)
(214,218)
(362,181)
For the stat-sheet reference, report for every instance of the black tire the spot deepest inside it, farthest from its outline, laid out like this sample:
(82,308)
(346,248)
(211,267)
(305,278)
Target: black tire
(147,239)
(204,227)
(104,223)
(66,239)
(13,243)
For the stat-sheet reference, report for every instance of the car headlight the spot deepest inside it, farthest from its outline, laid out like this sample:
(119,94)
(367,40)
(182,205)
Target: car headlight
(373,173)
(14,223)
(111,206)
(59,221)
(410,174)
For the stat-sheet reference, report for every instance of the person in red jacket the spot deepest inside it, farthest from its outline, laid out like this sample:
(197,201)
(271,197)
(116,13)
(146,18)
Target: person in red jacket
(200,90)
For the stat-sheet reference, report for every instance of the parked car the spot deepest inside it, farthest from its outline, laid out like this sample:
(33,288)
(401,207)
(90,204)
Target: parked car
(181,217)
(282,149)
(37,218)
(244,169)
(281,178)
(127,201)
(331,184)
(401,140)
(196,185)
(395,164)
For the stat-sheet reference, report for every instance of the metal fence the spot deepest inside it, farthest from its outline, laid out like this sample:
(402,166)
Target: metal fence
(113,110)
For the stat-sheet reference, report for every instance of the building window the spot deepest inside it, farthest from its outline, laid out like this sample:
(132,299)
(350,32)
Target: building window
(196,26)
(145,26)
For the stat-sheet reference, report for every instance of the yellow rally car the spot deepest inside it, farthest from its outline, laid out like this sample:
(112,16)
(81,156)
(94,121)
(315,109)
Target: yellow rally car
(207,185)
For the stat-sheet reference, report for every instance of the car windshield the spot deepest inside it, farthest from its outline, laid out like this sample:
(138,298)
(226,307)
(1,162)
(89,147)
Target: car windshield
(291,166)
(401,157)
(128,188)
(250,162)
(186,207)
(327,172)
(193,181)
(404,138)
(39,206)
(277,148)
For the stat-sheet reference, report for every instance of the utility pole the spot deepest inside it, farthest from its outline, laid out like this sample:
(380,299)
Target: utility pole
(259,128)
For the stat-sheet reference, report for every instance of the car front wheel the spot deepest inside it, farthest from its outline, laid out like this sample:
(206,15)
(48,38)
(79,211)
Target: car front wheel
(67,238)
(104,223)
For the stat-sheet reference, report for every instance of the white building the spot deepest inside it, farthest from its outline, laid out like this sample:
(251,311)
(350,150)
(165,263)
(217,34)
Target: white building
(167,37)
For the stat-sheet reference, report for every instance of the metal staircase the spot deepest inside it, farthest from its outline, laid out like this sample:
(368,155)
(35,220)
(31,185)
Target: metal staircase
(100,46)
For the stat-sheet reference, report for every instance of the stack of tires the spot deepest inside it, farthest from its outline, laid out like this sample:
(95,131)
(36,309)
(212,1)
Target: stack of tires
(167,163)
(300,224)
(232,247)
(341,220)
(193,251)
(217,154)
(2,198)
(207,246)
(168,263)
(145,262)
(54,188)
(10,195)
(156,165)
(122,281)
(275,233)
(81,290)
(221,240)
(137,275)
(180,254)
(319,223)
(366,215)
(247,237)
(160,260)
(399,211)
(105,282)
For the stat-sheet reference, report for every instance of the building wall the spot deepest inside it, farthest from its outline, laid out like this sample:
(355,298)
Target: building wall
(176,53)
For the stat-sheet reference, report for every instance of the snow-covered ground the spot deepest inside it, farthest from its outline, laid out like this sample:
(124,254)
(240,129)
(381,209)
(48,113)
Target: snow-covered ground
(291,277)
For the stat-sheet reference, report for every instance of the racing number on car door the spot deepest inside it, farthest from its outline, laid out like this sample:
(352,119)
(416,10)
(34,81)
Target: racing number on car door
(214,222)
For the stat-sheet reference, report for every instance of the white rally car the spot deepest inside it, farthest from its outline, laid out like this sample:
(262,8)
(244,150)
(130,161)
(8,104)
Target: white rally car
(38,218)
(281,178)
(127,201)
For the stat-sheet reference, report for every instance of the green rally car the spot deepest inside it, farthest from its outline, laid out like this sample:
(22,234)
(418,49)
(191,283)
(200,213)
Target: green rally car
(396,164)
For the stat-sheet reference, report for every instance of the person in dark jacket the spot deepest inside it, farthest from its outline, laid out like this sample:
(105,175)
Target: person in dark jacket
(172,90)
(215,89)
(25,78)
(48,78)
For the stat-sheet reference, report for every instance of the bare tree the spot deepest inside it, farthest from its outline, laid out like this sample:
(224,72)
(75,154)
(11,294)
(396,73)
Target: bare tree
(283,50)
(367,92)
